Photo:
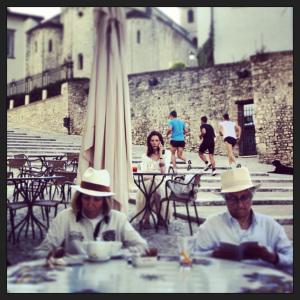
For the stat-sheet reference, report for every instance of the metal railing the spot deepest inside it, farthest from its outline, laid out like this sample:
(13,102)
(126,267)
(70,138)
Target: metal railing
(44,79)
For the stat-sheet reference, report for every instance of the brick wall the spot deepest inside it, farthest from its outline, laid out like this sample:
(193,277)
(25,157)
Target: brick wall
(192,93)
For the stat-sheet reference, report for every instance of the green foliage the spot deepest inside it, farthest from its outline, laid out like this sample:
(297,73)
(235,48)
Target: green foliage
(178,66)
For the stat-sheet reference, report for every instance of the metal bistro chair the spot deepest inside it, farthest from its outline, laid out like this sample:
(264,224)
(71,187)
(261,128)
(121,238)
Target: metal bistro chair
(56,164)
(17,163)
(182,192)
(72,161)
(60,185)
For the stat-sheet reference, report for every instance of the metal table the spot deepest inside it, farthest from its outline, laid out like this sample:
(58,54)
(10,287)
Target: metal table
(206,275)
(139,178)
(30,189)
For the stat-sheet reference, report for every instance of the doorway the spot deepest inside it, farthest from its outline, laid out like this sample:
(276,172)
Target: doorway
(245,119)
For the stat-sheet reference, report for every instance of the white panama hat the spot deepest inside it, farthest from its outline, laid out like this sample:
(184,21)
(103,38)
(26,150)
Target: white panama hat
(95,183)
(236,180)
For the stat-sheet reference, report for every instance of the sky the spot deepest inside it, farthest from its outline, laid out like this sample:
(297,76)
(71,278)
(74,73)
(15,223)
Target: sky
(48,12)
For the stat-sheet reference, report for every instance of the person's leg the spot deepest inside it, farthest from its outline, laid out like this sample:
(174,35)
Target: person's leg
(202,156)
(212,160)
(173,156)
(230,154)
(180,153)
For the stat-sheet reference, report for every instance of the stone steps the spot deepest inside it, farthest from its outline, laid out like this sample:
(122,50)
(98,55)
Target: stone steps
(21,141)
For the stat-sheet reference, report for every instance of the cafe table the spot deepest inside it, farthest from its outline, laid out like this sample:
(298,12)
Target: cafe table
(30,189)
(155,180)
(166,275)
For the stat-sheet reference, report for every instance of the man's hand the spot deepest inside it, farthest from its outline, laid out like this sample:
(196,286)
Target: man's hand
(226,253)
(256,252)
(56,253)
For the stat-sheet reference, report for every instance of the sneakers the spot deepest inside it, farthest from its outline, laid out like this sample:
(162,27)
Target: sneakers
(207,167)
(214,173)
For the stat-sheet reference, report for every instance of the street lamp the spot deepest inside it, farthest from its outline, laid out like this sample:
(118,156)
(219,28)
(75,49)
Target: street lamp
(192,55)
(192,58)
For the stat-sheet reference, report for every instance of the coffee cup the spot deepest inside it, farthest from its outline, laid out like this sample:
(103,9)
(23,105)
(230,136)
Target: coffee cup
(98,250)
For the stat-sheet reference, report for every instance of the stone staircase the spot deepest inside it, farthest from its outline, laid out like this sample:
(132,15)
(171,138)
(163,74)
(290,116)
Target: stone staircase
(21,141)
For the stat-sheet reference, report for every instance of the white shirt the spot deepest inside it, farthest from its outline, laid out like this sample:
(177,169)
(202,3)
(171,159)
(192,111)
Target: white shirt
(229,129)
(263,229)
(66,228)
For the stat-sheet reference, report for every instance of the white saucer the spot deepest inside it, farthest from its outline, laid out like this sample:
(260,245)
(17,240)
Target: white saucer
(118,254)
(96,259)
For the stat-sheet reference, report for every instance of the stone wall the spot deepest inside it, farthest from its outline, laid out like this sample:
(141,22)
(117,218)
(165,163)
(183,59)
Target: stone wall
(46,115)
(192,93)
(272,77)
(77,102)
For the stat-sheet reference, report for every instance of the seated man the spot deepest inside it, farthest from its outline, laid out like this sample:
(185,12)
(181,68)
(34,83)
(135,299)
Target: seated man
(90,218)
(267,239)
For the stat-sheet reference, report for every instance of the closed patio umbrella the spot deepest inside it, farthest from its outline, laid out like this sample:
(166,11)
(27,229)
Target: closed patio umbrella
(107,140)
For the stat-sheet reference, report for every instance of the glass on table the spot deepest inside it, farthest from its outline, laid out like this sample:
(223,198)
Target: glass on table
(185,250)
(134,168)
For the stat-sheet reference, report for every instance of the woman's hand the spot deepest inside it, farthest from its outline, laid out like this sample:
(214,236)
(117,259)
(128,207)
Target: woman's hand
(161,150)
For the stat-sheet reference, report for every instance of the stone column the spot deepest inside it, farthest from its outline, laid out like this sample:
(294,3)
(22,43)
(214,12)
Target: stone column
(27,99)
(11,103)
(44,94)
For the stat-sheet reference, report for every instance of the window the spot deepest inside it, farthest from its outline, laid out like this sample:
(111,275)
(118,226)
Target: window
(138,37)
(50,46)
(190,16)
(35,46)
(80,61)
(10,43)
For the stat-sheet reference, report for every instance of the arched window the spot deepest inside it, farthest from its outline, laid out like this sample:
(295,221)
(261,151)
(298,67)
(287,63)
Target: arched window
(80,61)
(190,16)
(50,46)
(138,37)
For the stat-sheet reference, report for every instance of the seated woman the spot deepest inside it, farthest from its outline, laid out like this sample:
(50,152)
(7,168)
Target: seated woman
(153,161)
(89,218)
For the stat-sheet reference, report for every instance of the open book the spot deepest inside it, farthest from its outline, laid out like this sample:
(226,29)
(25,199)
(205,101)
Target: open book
(237,252)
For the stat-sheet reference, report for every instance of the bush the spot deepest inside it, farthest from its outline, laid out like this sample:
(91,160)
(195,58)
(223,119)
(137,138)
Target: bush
(178,66)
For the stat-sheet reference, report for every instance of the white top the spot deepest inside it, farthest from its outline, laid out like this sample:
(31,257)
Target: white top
(150,165)
(263,229)
(67,228)
(228,129)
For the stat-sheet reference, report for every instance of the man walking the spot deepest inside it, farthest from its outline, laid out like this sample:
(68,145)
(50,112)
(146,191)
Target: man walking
(230,132)
(207,134)
(177,130)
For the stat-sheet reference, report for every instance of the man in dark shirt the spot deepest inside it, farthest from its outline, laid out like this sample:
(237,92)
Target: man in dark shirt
(207,133)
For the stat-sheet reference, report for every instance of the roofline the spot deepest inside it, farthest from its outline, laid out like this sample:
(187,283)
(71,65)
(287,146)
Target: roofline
(44,25)
(23,16)
(168,21)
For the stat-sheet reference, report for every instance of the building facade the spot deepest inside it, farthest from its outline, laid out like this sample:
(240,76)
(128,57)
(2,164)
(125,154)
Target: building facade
(17,25)
(240,32)
(154,41)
